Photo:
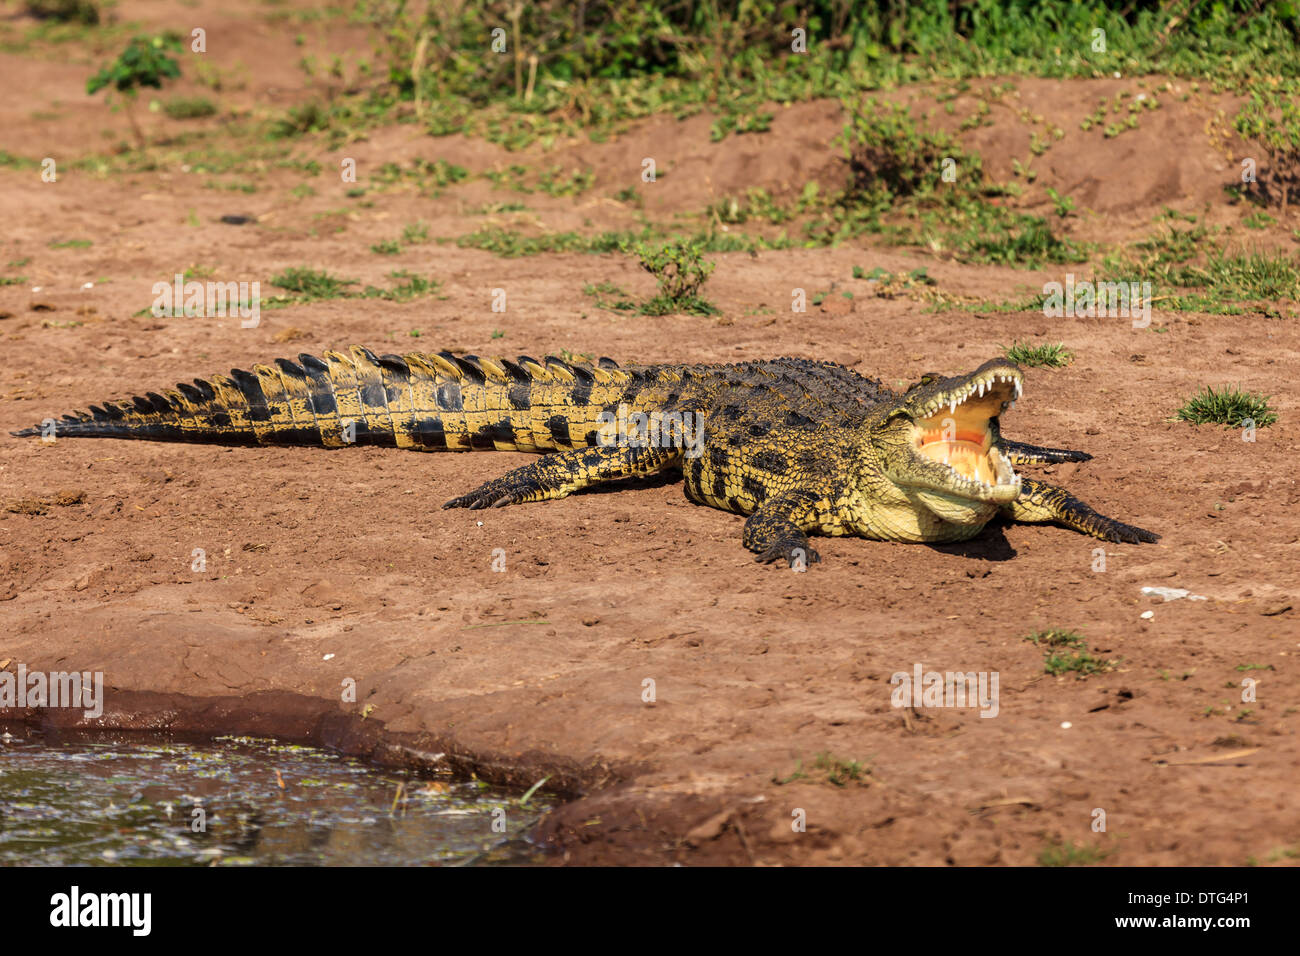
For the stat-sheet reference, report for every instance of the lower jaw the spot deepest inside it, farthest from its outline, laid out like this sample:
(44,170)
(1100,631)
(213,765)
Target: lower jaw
(957,510)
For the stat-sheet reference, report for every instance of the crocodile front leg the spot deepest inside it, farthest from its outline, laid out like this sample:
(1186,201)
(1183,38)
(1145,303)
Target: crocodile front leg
(1041,502)
(559,475)
(777,529)
(1021,453)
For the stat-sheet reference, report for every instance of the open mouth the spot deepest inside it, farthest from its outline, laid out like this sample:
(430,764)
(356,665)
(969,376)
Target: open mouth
(954,430)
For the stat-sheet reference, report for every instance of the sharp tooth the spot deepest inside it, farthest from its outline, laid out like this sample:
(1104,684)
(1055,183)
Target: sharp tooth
(952,407)
(981,389)
(1018,389)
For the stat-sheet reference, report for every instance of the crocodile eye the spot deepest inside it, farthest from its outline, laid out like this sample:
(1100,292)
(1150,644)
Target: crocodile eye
(928,378)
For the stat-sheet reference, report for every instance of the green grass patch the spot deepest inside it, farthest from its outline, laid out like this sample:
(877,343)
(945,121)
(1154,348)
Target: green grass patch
(429,176)
(189,107)
(512,244)
(234,187)
(1066,652)
(312,284)
(1056,637)
(300,120)
(1048,355)
(1228,282)
(1248,276)
(407,286)
(85,12)
(828,768)
(620,301)
(1229,406)
(740,123)
(1066,853)
(415,233)
(555,182)
(1075,662)
(9,161)
(759,204)
(986,234)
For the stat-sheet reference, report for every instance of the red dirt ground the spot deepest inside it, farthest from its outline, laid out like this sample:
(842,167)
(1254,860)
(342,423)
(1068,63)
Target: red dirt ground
(324,566)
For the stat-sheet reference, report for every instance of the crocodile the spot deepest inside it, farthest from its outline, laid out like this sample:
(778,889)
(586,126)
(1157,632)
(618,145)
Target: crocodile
(799,447)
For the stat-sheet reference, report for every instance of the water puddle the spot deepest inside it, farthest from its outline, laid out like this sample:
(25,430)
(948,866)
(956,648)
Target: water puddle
(149,800)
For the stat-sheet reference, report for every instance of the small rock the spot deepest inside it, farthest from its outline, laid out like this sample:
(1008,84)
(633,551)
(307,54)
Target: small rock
(1147,615)
(1174,594)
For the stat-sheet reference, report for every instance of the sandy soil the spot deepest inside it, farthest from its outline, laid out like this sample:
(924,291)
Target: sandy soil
(328,566)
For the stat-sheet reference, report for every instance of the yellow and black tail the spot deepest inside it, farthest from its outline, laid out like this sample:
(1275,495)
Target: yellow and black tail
(422,401)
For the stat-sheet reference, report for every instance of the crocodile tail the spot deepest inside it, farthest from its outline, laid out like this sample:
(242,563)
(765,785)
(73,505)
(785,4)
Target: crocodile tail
(423,401)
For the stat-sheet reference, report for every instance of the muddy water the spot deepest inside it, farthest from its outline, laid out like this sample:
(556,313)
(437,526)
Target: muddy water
(241,801)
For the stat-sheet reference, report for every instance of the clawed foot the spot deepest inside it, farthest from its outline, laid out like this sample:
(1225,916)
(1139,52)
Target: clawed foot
(795,551)
(494,494)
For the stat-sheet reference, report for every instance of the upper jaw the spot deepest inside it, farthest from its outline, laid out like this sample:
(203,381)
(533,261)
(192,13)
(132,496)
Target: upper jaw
(1001,382)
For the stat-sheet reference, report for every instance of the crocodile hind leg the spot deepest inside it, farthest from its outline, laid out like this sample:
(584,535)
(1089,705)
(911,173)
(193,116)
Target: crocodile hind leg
(1041,502)
(1021,453)
(562,473)
(776,530)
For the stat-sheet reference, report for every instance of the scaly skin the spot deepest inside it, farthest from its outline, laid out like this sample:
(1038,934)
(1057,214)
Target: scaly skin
(799,447)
